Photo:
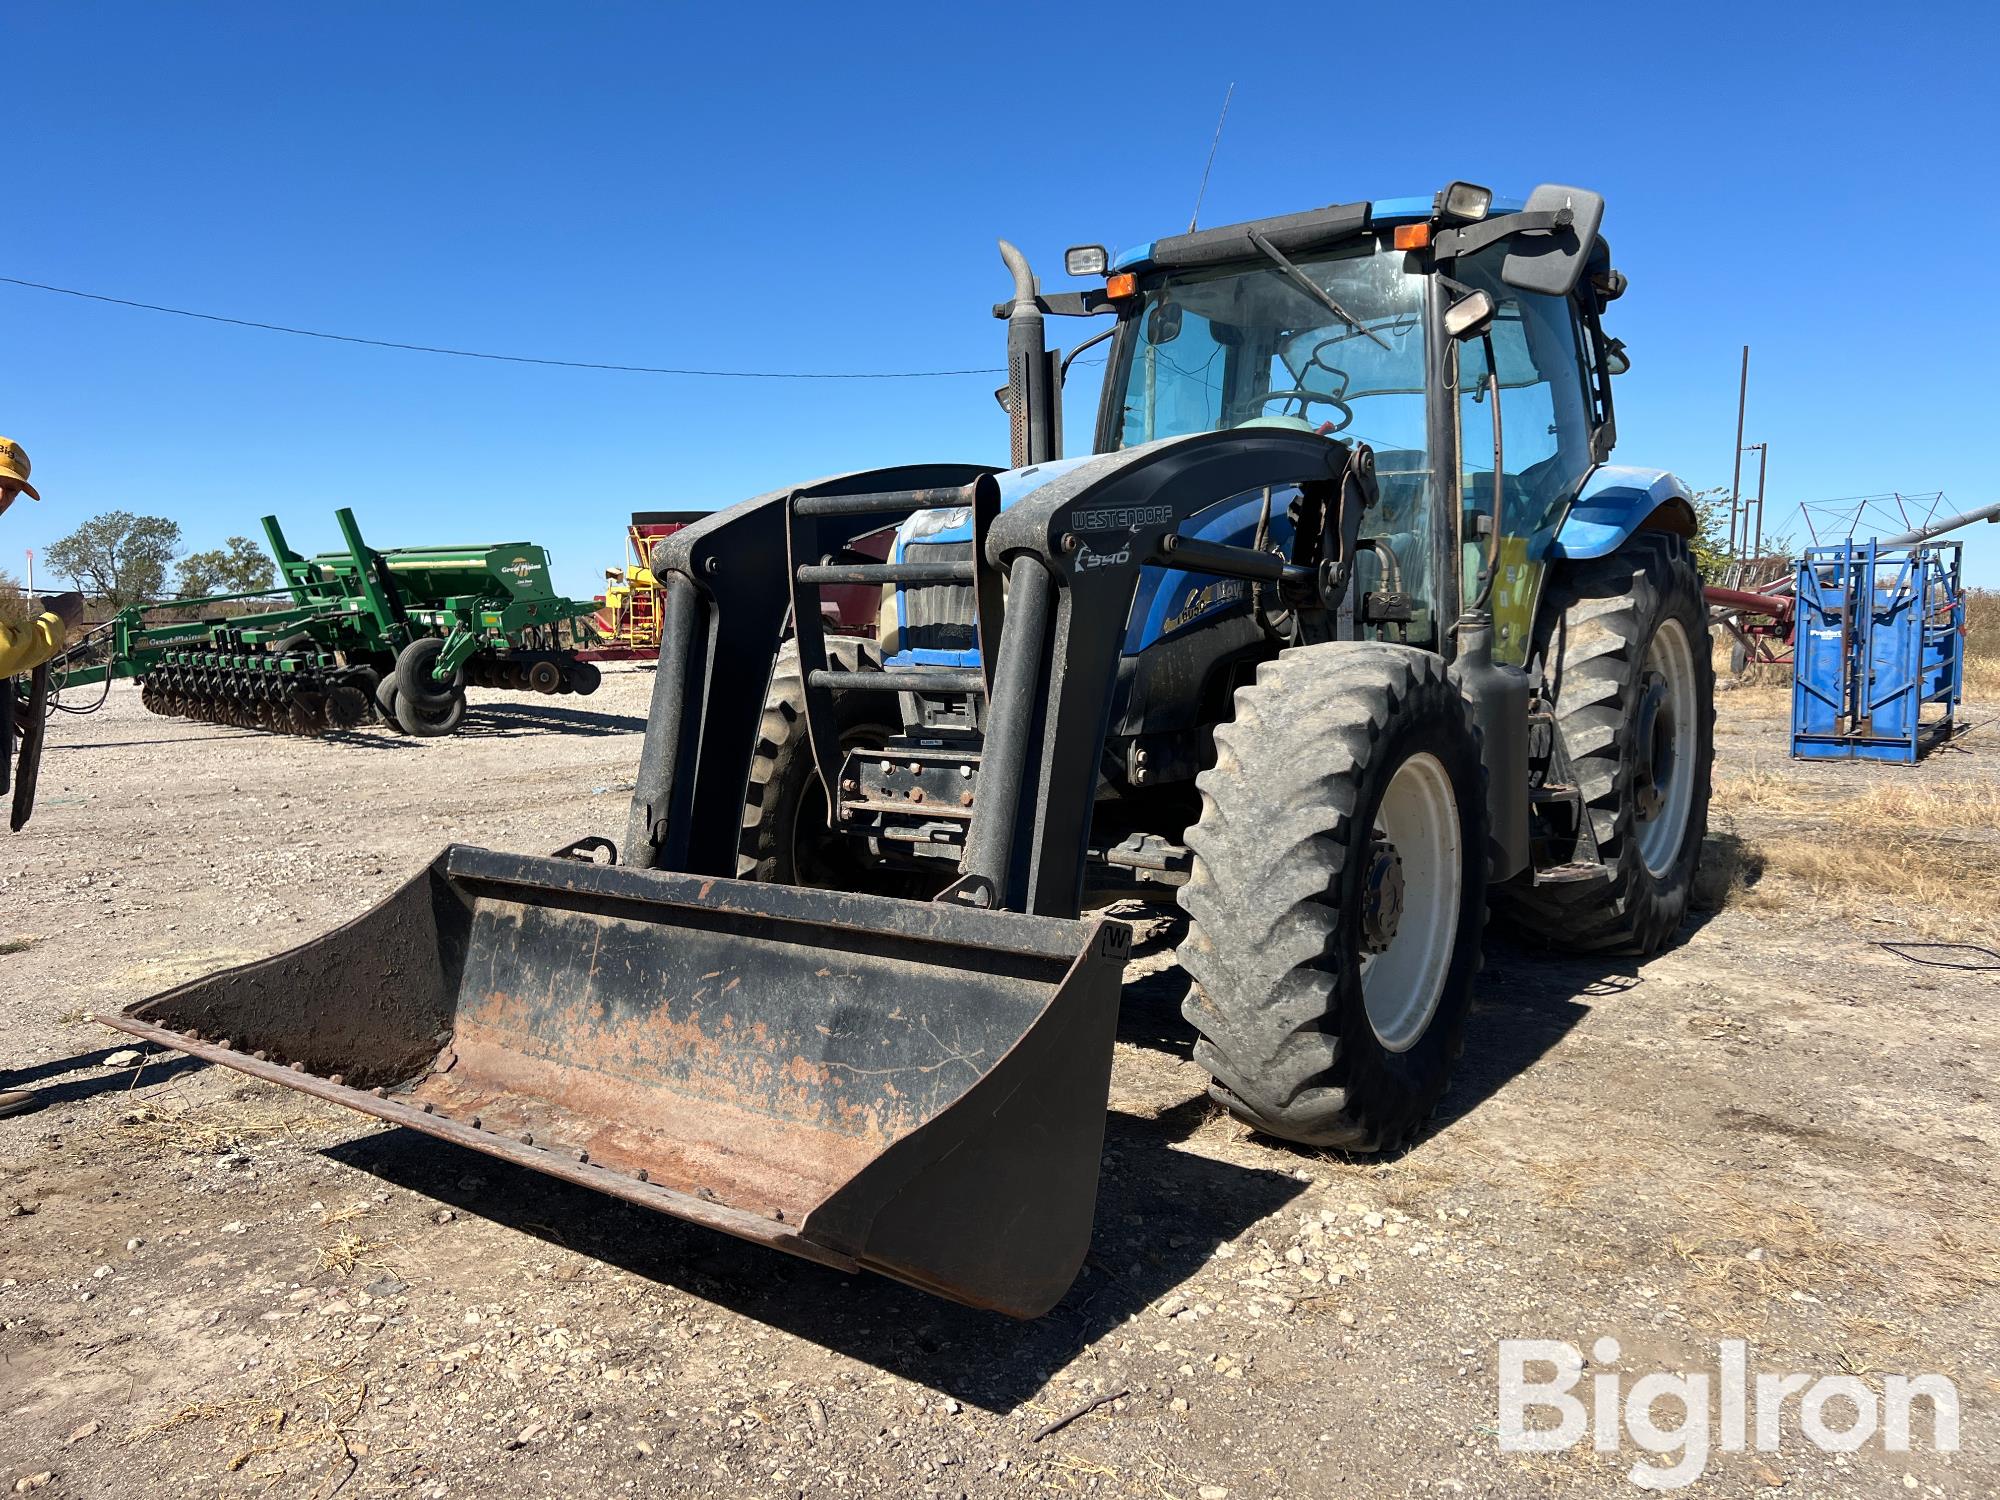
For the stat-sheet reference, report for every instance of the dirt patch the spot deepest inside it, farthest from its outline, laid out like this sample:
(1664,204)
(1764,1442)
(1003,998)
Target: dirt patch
(1778,1131)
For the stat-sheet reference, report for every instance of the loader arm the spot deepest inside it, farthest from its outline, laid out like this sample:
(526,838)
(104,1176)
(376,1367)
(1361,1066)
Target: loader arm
(1071,554)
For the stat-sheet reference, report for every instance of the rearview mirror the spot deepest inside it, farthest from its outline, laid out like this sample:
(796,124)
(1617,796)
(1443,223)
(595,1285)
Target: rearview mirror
(1164,325)
(1616,361)
(1551,261)
(1470,316)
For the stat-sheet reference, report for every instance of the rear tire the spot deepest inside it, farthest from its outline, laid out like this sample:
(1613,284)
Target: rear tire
(1626,652)
(1330,1010)
(786,839)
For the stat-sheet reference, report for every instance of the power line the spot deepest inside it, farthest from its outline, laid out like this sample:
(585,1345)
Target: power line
(510,359)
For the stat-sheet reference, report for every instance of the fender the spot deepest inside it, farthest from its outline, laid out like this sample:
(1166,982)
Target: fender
(1617,500)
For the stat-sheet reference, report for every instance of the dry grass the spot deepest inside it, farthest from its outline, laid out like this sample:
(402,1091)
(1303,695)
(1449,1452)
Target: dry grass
(1409,1184)
(1565,1180)
(1913,841)
(1959,804)
(1982,642)
(1947,885)
(317,1412)
(1742,1255)
(212,1128)
(350,1252)
(198,1411)
(1745,1249)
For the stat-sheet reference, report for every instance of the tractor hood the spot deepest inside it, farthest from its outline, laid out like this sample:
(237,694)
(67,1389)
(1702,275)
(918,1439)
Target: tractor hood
(954,524)
(1168,600)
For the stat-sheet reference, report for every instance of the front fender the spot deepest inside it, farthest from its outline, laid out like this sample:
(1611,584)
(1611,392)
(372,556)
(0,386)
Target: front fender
(1616,501)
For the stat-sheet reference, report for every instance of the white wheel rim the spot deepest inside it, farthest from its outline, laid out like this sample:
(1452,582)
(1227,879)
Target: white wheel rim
(1401,985)
(1660,836)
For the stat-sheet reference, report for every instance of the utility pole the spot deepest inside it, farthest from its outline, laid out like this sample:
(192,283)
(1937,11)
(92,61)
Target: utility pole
(1763,455)
(1736,473)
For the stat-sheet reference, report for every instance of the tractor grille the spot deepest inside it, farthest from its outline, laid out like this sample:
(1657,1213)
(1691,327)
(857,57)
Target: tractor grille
(938,616)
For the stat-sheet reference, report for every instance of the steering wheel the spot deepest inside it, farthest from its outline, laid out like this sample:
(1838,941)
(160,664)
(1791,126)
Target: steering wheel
(1254,405)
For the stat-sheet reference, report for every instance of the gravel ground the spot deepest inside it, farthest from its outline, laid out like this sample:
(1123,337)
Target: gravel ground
(1778,1131)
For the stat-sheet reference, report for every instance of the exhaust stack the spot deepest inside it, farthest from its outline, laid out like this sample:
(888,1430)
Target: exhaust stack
(1034,372)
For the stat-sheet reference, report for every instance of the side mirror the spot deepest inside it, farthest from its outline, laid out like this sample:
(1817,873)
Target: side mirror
(1616,362)
(1470,316)
(1551,261)
(1086,260)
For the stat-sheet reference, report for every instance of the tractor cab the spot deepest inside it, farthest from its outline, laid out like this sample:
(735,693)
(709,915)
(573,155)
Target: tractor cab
(1335,322)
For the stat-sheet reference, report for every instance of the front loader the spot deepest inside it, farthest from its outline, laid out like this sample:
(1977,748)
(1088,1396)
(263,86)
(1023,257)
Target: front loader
(1344,629)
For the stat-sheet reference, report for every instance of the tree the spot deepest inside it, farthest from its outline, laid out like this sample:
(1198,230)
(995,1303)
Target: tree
(118,557)
(239,566)
(14,607)
(1711,537)
(1712,557)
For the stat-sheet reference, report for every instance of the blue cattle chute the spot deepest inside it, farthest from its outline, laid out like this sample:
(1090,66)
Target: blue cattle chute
(1879,651)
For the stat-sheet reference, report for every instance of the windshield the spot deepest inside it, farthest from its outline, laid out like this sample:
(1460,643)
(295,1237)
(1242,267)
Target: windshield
(1246,344)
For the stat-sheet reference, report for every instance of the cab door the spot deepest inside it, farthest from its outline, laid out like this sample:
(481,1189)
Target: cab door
(1548,416)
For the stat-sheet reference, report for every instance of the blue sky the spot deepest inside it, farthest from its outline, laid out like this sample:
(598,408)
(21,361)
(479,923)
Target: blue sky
(819,188)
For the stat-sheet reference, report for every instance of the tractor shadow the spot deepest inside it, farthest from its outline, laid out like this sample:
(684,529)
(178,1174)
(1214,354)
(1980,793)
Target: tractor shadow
(1160,1214)
(505,720)
(1526,1000)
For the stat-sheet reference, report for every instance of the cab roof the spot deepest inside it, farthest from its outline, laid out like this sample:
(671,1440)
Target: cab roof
(1287,232)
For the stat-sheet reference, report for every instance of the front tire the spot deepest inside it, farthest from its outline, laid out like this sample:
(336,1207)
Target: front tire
(1625,649)
(1337,895)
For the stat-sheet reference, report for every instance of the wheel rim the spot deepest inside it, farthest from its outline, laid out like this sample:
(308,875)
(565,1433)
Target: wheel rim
(1417,853)
(1665,749)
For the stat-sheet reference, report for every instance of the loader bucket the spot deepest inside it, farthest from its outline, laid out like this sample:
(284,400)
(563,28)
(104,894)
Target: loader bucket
(917,1089)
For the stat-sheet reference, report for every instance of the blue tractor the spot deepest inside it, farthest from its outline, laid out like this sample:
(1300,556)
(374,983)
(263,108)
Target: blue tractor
(1344,628)
(1286,719)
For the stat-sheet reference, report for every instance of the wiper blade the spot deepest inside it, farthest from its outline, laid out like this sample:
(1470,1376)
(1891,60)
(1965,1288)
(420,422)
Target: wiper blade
(1314,290)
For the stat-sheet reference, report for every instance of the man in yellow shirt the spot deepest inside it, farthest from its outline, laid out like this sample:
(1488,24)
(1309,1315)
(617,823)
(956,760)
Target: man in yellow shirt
(22,648)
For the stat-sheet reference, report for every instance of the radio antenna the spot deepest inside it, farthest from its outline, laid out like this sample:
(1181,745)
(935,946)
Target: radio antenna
(1202,191)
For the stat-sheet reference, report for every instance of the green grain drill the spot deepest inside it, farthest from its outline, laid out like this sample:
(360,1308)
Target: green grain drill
(353,636)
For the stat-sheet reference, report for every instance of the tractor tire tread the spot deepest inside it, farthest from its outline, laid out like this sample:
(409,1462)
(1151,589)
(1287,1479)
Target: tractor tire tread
(1265,945)
(1609,609)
